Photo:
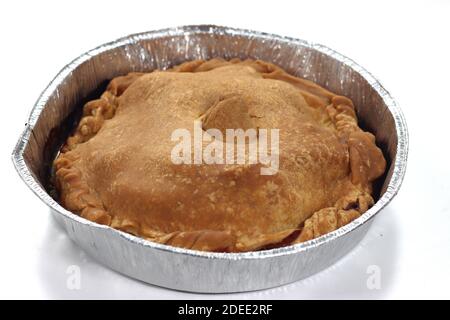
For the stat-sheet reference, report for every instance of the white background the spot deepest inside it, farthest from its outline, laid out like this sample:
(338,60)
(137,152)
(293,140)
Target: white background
(406,45)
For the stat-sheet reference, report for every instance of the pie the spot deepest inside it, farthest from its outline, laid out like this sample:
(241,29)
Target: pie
(116,168)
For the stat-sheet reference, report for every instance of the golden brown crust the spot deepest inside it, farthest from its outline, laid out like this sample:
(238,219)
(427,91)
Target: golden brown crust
(345,210)
(75,193)
(204,240)
(116,170)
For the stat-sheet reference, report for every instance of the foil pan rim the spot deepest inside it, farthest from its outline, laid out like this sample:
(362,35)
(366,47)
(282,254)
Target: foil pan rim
(399,162)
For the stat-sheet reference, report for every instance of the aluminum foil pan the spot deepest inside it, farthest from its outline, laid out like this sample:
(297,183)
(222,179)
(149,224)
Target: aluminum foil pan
(53,115)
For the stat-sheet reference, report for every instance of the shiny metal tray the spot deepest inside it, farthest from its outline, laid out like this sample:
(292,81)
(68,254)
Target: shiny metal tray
(84,78)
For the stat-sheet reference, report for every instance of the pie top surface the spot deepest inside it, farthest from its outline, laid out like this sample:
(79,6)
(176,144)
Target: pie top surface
(116,168)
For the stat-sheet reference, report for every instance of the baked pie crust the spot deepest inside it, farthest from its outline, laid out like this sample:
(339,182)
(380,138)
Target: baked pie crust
(116,168)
